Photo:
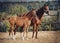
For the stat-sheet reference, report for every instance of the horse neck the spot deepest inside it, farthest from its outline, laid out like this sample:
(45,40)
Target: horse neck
(29,15)
(40,13)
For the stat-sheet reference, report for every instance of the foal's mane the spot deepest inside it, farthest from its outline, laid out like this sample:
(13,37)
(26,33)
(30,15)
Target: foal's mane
(32,14)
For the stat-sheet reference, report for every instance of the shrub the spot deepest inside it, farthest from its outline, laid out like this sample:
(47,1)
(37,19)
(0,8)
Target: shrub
(17,9)
(7,24)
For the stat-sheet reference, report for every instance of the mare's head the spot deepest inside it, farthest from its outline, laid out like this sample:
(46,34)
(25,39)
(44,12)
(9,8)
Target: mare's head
(42,10)
(46,9)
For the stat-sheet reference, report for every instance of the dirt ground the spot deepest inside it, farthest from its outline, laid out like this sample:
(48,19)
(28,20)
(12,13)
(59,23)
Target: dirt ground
(43,37)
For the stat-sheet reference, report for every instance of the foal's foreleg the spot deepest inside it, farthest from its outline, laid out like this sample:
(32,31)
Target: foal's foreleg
(23,33)
(27,33)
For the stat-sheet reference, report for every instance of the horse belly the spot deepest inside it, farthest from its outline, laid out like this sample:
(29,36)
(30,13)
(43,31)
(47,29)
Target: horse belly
(19,23)
(28,22)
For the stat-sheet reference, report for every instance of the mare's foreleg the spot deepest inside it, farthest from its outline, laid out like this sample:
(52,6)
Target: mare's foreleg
(34,27)
(36,31)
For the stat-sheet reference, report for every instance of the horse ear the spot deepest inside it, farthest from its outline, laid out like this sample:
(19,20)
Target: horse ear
(45,4)
(33,9)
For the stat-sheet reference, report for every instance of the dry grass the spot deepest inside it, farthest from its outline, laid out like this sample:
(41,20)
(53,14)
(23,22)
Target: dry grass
(43,37)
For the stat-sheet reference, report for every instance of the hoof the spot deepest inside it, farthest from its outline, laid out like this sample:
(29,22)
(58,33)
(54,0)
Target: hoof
(33,38)
(23,38)
(36,37)
(26,38)
(13,38)
(10,37)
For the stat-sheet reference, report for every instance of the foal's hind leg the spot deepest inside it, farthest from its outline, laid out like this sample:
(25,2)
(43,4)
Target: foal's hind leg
(14,34)
(15,30)
(10,32)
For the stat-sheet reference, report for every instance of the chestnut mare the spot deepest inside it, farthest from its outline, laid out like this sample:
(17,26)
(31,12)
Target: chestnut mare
(40,12)
(22,21)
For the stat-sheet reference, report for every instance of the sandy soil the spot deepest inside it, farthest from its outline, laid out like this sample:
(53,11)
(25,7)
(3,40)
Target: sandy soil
(43,37)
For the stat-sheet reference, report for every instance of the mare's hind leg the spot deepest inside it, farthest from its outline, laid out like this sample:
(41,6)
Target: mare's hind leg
(34,27)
